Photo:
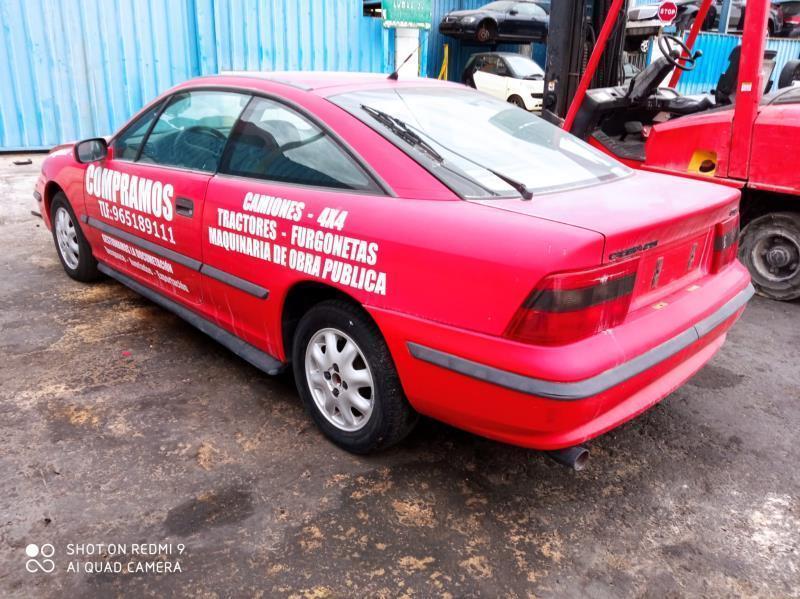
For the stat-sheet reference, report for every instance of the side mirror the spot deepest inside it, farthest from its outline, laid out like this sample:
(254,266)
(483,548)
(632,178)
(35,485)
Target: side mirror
(513,12)
(90,150)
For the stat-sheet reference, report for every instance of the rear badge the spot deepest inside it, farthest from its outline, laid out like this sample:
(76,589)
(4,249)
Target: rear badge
(633,250)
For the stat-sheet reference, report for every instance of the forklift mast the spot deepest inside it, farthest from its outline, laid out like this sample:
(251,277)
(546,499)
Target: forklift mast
(574,31)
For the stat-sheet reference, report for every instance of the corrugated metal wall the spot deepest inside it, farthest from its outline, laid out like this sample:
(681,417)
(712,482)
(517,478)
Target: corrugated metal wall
(76,68)
(716,48)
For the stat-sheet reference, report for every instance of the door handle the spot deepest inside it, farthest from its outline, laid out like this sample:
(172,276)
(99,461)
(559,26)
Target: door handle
(184,207)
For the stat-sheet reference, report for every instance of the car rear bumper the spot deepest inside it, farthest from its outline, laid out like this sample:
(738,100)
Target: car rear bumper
(554,411)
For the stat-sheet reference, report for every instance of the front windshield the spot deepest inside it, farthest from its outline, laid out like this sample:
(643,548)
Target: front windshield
(490,143)
(524,67)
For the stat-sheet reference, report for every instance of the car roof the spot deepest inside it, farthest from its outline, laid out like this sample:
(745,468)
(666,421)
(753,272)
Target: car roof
(322,82)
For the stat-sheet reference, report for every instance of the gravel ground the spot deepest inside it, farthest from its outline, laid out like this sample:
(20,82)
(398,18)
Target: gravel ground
(121,424)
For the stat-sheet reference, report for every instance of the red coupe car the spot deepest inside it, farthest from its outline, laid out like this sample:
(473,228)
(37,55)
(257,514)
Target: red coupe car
(407,247)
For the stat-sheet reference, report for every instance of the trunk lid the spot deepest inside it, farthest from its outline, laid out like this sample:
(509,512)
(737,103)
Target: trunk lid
(668,222)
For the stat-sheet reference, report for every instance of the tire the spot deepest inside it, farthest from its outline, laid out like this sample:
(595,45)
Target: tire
(789,73)
(486,33)
(72,248)
(770,249)
(388,418)
(516,101)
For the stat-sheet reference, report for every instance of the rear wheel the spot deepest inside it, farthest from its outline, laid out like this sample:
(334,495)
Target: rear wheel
(73,249)
(347,379)
(770,248)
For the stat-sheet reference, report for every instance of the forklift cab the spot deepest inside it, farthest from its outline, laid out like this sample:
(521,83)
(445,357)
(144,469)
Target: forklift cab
(618,119)
(742,135)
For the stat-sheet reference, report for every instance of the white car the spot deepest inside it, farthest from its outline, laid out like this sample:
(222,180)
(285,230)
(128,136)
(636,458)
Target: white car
(508,76)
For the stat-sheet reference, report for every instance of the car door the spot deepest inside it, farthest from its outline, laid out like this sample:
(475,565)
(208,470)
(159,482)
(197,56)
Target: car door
(145,200)
(488,78)
(277,213)
(531,21)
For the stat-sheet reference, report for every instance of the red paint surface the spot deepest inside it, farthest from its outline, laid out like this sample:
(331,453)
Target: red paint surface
(458,271)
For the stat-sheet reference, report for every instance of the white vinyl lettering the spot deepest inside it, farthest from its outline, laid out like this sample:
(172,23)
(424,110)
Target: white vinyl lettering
(137,193)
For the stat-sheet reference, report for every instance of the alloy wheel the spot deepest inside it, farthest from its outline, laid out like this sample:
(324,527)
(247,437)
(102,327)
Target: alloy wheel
(340,379)
(67,238)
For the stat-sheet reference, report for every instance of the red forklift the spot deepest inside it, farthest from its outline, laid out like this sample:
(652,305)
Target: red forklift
(744,135)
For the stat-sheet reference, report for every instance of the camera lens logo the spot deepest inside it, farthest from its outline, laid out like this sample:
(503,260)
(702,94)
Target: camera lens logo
(44,552)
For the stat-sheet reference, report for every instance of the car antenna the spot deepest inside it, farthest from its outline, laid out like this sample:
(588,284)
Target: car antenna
(396,73)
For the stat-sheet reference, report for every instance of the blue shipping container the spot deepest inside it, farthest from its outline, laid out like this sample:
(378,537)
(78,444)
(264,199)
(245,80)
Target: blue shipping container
(71,69)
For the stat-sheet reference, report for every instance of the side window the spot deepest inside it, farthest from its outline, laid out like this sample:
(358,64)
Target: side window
(502,68)
(489,64)
(273,142)
(193,129)
(528,9)
(126,146)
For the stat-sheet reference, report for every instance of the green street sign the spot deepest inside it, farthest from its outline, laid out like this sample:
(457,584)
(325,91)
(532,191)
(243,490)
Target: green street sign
(407,13)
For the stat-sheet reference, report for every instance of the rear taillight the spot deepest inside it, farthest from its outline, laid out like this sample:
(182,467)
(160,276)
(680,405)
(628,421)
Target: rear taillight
(726,243)
(569,306)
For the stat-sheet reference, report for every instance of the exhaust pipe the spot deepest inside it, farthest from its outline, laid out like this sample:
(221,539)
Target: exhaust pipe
(575,457)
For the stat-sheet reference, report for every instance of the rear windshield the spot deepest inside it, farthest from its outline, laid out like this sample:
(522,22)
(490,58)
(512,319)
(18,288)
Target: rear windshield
(479,146)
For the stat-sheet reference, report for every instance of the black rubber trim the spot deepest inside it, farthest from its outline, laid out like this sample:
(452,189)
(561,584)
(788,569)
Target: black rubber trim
(591,386)
(234,281)
(244,350)
(145,244)
(206,269)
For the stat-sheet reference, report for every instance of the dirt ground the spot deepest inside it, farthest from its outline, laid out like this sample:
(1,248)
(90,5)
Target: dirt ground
(121,424)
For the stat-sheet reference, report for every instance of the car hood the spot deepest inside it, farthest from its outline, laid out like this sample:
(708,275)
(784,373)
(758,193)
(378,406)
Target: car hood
(634,211)
(468,13)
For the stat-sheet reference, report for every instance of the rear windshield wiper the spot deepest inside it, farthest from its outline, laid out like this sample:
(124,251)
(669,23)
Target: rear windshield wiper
(403,131)
(408,134)
(518,186)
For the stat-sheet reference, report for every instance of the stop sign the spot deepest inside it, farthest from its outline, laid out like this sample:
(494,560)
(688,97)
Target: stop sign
(667,11)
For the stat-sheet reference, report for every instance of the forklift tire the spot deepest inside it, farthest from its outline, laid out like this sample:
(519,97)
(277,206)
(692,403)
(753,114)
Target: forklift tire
(769,246)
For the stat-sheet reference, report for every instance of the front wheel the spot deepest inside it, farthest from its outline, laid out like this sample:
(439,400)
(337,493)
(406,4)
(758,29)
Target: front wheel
(347,379)
(486,32)
(770,249)
(516,101)
(73,249)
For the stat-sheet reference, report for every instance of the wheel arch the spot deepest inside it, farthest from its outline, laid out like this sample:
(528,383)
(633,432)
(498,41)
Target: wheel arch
(299,299)
(51,188)
(756,203)
(490,23)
